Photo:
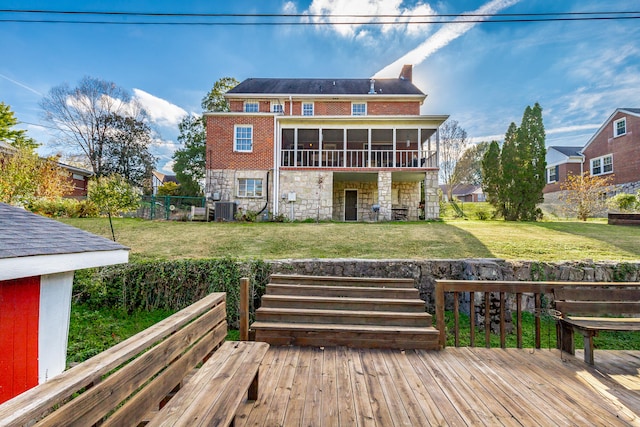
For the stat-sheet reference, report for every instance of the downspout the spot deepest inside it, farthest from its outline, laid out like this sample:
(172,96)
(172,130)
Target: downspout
(267,192)
(276,167)
(290,105)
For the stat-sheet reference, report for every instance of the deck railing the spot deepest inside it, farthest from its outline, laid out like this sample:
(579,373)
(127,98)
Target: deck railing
(305,158)
(457,287)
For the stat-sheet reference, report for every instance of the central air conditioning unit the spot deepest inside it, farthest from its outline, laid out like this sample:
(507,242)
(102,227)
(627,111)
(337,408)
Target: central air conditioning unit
(225,211)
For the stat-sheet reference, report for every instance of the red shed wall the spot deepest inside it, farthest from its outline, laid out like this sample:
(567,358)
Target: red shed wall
(19,315)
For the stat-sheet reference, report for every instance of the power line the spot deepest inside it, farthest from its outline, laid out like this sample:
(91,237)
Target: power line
(311,19)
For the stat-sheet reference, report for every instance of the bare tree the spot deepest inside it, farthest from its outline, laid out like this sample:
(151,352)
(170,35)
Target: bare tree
(80,115)
(453,142)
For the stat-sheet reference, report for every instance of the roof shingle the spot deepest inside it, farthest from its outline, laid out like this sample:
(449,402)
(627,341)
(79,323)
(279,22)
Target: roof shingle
(272,86)
(24,234)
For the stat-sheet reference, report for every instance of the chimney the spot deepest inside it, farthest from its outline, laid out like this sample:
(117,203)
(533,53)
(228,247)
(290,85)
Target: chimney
(407,72)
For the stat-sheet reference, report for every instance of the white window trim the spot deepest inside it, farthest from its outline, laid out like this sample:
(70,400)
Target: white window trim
(549,169)
(601,158)
(254,196)
(244,106)
(615,127)
(275,104)
(313,109)
(235,138)
(359,103)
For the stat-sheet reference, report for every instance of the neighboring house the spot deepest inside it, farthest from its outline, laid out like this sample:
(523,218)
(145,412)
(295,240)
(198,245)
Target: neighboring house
(38,257)
(158,178)
(333,149)
(464,193)
(615,149)
(561,161)
(80,179)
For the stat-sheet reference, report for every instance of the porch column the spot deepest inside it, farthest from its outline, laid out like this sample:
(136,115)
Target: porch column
(384,195)
(431,204)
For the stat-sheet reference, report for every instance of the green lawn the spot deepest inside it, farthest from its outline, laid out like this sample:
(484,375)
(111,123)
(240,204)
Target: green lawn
(454,239)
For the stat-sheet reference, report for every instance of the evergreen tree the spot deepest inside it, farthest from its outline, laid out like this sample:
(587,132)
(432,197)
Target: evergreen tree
(514,183)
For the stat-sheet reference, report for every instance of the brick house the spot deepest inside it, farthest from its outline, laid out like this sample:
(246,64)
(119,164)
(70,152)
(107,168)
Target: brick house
(336,149)
(561,161)
(613,150)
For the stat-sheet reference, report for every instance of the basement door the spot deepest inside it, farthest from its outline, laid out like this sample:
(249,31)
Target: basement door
(350,205)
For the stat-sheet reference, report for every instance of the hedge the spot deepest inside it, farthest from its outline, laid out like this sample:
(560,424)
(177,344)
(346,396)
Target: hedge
(170,285)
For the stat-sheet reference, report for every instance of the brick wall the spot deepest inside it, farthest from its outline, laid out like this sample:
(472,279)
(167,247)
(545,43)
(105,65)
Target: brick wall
(220,154)
(625,149)
(340,108)
(563,172)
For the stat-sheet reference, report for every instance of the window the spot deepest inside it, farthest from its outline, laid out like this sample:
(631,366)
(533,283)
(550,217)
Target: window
(602,165)
(243,138)
(552,174)
(251,107)
(620,127)
(276,107)
(359,109)
(307,108)
(248,187)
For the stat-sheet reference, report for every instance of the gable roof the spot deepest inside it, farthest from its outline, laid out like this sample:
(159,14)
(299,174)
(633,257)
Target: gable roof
(632,111)
(567,151)
(24,235)
(335,87)
(164,178)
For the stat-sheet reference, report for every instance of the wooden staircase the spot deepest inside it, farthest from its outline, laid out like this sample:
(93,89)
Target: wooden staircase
(357,312)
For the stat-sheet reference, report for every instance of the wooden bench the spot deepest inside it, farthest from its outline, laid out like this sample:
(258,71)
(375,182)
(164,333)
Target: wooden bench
(131,383)
(580,306)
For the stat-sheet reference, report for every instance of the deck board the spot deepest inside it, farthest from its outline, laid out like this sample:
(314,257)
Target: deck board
(456,386)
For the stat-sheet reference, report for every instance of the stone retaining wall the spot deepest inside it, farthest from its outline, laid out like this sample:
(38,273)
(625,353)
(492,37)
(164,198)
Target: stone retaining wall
(425,272)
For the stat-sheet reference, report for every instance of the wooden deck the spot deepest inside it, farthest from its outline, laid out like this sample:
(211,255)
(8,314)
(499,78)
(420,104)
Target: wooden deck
(338,386)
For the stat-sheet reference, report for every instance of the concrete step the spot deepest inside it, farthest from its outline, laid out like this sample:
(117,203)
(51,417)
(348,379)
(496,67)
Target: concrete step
(342,291)
(338,317)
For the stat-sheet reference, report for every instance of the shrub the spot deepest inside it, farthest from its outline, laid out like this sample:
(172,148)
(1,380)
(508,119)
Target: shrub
(624,202)
(169,285)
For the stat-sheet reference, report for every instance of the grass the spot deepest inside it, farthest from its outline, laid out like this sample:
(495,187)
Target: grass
(94,331)
(605,340)
(450,239)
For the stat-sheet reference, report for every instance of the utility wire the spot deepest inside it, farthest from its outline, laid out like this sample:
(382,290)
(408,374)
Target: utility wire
(311,19)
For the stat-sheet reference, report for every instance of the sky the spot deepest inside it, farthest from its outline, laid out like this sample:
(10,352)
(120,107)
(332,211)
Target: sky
(482,74)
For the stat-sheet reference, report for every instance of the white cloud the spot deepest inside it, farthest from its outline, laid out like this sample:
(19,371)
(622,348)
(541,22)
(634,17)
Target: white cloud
(443,37)
(574,128)
(355,27)
(160,111)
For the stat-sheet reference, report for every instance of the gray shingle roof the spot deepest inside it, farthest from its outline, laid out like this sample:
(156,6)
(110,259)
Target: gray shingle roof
(269,86)
(24,234)
(568,151)
(632,110)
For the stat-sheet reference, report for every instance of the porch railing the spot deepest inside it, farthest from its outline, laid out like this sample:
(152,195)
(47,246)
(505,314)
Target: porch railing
(305,158)
(486,288)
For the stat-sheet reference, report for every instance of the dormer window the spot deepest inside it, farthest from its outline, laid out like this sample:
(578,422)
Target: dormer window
(251,106)
(620,127)
(277,107)
(359,109)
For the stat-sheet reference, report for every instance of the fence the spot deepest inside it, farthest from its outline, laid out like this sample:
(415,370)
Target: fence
(168,207)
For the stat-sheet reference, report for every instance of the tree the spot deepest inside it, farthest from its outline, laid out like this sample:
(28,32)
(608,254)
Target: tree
(14,137)
(515,175)
(24,176)
(453,142)
(468,168)
(113,195)
(83,116)
(585,195)
(190,161)
(126,150)
(214,100)
(169,189)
